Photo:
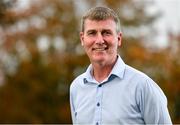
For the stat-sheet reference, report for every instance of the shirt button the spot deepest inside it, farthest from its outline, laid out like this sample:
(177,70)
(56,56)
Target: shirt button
(97,123)
(99,85)
(98,104)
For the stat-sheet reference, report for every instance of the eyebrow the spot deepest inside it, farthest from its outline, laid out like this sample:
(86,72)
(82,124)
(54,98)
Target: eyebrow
(92,30)
(107,30)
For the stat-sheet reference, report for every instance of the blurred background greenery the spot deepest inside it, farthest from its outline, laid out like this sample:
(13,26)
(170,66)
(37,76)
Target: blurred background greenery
(40,55)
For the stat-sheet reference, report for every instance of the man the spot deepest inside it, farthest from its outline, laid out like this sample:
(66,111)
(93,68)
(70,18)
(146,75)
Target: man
(111,92)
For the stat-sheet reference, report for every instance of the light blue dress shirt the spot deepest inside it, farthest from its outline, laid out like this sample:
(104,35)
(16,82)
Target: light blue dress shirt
(126,96)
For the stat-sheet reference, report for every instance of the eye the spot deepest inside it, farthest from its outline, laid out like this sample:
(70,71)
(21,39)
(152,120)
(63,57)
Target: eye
(106,32)
(90,33)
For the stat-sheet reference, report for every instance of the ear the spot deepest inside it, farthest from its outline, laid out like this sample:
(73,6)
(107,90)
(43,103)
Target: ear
(81,34)
(119,39)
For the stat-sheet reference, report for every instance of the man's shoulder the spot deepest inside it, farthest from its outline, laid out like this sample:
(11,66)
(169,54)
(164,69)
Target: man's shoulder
(143,81)
(132,72)
(77,81)
(79,78)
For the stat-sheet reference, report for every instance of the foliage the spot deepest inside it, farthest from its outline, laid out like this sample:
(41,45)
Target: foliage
(40,55)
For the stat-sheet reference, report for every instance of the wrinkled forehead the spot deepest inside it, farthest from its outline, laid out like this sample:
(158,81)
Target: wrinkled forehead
(99,24)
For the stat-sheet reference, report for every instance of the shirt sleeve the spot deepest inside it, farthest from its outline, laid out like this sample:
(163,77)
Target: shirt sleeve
(153,104)
(72,106)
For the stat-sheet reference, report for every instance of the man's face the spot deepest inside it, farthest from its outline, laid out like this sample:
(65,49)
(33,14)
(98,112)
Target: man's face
(100,40)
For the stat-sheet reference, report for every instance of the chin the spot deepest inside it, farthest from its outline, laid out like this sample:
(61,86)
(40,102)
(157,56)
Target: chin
(98,58)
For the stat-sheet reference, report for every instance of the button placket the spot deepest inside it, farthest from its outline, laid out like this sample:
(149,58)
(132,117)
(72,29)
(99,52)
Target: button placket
(98,108)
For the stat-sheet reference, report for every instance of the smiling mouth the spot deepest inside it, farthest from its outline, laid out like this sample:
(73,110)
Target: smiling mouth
(100,49)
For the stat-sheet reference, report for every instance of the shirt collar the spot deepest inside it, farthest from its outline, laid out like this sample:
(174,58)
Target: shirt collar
(118,70)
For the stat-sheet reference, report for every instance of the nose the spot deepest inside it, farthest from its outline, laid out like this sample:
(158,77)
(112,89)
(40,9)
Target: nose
(99,39)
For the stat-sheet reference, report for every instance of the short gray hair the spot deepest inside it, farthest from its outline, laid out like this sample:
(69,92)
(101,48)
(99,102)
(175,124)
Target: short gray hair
(101,13)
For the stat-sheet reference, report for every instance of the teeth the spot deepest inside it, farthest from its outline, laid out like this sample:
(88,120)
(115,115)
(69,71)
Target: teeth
(100,49)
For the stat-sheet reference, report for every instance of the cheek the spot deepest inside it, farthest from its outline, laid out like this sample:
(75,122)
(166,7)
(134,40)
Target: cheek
(113,43)
(88,43)
(87,46)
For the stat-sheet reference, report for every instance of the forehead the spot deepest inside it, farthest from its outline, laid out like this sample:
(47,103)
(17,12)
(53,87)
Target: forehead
(99,24)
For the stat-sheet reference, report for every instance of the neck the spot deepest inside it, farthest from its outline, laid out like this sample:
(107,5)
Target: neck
(100,71)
